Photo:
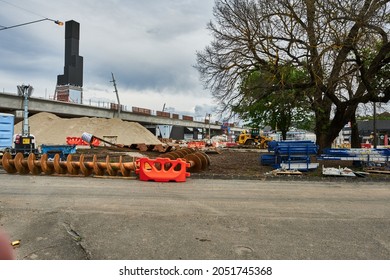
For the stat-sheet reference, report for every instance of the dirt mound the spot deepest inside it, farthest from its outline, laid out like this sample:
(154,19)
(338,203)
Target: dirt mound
(52,130)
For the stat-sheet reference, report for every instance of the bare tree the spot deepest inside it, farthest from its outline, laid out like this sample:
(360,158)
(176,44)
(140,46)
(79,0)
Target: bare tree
(343,45)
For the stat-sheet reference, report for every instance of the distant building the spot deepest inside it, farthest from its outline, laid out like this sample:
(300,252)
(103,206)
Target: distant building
(70,84)
(366,134)
(366,131)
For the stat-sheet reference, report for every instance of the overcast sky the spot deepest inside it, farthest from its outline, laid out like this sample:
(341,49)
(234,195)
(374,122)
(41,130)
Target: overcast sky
(149,45)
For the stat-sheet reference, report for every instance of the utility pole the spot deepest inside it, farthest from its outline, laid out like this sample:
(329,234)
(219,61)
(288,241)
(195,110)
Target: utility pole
(117,95)
(209,125)
(374,127)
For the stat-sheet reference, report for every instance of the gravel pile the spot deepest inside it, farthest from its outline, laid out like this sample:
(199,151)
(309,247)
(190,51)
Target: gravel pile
(50,129)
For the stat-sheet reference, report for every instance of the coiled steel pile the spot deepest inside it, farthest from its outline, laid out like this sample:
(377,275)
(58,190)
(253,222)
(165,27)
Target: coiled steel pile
(196,160)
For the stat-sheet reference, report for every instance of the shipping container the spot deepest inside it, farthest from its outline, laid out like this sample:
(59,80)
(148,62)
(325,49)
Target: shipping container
(6,130)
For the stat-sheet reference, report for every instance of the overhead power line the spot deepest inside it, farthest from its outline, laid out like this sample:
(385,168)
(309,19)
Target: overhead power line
(21,8)
(2,27)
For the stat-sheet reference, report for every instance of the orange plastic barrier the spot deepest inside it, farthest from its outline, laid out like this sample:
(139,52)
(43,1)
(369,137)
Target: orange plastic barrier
(80,142)
(162,169)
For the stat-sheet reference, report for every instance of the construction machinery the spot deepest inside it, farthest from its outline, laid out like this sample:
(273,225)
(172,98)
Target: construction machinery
(252,138)
(23,142)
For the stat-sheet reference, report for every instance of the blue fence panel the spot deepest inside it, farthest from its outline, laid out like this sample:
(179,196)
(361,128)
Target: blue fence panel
(289,152)
(62,150)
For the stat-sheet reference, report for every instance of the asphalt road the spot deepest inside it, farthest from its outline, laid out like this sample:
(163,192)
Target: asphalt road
(89,218)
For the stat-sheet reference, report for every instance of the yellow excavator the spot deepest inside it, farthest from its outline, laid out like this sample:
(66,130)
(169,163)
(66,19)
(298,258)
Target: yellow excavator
(252,137)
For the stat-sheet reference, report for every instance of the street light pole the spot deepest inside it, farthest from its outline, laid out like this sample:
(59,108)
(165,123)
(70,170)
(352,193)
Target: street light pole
(60,23)
(374,128)
(209,126)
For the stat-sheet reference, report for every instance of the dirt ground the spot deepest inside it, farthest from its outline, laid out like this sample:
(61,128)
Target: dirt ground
(227,163)
(243,164)
(246,164)
(224,163)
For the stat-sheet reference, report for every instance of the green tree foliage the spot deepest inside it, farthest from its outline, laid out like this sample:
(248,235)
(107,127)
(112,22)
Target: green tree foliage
(280,109)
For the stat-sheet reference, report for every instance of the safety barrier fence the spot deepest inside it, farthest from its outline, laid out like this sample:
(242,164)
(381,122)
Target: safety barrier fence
(290,155)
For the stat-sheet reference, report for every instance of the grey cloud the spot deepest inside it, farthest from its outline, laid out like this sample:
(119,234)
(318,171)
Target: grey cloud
(148,45)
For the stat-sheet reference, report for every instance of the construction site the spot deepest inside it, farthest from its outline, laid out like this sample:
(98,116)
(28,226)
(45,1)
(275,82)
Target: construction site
(45,143)
(86,182)
(105,189)
(113,147)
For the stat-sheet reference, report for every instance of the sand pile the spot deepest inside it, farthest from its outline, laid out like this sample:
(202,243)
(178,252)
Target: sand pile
(52,130)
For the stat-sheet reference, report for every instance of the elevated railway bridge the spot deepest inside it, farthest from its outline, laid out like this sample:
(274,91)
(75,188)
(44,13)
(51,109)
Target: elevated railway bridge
(158,122)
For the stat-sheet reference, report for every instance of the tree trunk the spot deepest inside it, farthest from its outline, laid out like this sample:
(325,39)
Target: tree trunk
(355,138)
(284,134)
(321,130)
(322,109)
(327,130)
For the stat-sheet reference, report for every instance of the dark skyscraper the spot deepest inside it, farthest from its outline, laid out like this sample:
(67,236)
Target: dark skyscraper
(73,69)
